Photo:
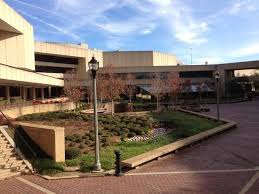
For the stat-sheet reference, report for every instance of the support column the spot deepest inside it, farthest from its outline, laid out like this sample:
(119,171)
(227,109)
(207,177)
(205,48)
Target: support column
(42,93)
(33,92)
(24,93)
(49,92)
(7,93)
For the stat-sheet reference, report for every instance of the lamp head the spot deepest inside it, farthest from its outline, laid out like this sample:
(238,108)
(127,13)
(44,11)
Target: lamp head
(93,66)
(217,76)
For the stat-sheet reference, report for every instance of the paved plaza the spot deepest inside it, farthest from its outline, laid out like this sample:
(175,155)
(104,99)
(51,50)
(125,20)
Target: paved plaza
(227,163)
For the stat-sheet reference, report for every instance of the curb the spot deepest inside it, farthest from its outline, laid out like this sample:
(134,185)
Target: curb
(82,175)
(138,160)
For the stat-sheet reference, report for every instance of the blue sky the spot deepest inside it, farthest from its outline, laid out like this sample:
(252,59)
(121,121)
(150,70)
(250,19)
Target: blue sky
(216,31)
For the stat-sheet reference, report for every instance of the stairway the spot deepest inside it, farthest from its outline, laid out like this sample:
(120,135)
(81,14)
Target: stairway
(10,163)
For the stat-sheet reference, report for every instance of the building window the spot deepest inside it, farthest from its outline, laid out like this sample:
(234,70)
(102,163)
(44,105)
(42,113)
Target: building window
(196,74)
(56,59)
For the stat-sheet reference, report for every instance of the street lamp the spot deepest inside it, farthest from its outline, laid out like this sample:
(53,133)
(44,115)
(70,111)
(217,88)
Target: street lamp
(93,67)
(217,77)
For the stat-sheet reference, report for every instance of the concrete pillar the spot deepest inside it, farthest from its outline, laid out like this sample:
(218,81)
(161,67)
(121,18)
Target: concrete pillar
(7,93)
(33,92)
(49,92)
(24,93)
(222,81)
(42,93)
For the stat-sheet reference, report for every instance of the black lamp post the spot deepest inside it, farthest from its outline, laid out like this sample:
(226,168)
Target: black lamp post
(217,78)
(93,67)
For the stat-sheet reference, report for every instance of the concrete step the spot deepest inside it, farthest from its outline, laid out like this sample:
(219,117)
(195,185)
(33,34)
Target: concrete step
(11,159)
(7,154)
(7,151)
(9,174)
(17,167)
(3,142)
(10,163)
(5,146)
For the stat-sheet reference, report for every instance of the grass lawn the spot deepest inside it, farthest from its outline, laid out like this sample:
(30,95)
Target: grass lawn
(186,125)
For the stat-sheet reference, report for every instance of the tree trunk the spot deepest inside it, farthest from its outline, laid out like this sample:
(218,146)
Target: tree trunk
(157,102)
(112,107)
(130,98)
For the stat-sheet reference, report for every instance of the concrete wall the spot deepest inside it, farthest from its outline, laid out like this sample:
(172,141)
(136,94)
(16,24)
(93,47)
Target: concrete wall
(138,59)
(16,39)
(50,139)
(20,111)
(11,75)
(164,59)
(128,58)
(83,53)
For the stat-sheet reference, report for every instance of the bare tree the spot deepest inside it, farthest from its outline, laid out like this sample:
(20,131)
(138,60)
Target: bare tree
(173,82)
(112,84)
(130,88)
(158,88)
(72,89)
(101,86)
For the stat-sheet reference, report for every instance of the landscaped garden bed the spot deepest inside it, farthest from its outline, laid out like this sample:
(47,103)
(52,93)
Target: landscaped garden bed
(114,133)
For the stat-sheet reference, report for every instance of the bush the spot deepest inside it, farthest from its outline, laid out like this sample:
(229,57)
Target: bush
(131,134)
(72,144)
(88,142)
(81,146)
(72,162)
(69,138)
(79,140)
(139,131)
(125,130)
(107,141)
(123,136)
(72,153)
(47,166)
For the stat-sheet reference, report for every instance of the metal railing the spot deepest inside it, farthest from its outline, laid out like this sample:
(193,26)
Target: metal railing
(20,141)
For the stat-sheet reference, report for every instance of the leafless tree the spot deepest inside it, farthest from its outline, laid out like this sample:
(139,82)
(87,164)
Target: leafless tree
(112,84)
(72,89)
(158,88)
(173,83)
(130,88)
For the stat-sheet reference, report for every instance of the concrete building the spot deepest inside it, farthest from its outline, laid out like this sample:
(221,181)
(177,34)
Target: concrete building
(18,78)
(139,59)
(31,70)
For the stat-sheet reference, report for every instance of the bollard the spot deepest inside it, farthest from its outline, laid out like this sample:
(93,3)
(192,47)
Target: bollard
(118,163)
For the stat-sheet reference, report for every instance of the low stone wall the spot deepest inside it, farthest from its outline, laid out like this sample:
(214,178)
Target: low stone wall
(39,108)
(50,139)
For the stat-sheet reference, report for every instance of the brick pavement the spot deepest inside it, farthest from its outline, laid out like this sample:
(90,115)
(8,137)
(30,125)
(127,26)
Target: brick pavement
(236,149)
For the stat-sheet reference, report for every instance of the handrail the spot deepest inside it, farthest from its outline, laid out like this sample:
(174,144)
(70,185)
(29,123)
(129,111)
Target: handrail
(25,143)
(20,137)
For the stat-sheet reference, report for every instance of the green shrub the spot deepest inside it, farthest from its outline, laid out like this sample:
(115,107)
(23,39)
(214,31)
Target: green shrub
(88,142)
(81,146)
(72,144)
(72,153)
(79,140)
(74,162)
(131,134)
(123,136)
(86,152)
(47,166)
(107,141)
(69,138)
(92,137)
(125,130)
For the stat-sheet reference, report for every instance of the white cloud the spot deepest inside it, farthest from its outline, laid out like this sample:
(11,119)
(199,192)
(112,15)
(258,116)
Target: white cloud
(243,5)
(146,31)
(59,29)
(248,50)
(172,14)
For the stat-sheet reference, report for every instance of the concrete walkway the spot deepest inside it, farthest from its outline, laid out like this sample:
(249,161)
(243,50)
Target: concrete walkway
(227,163)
